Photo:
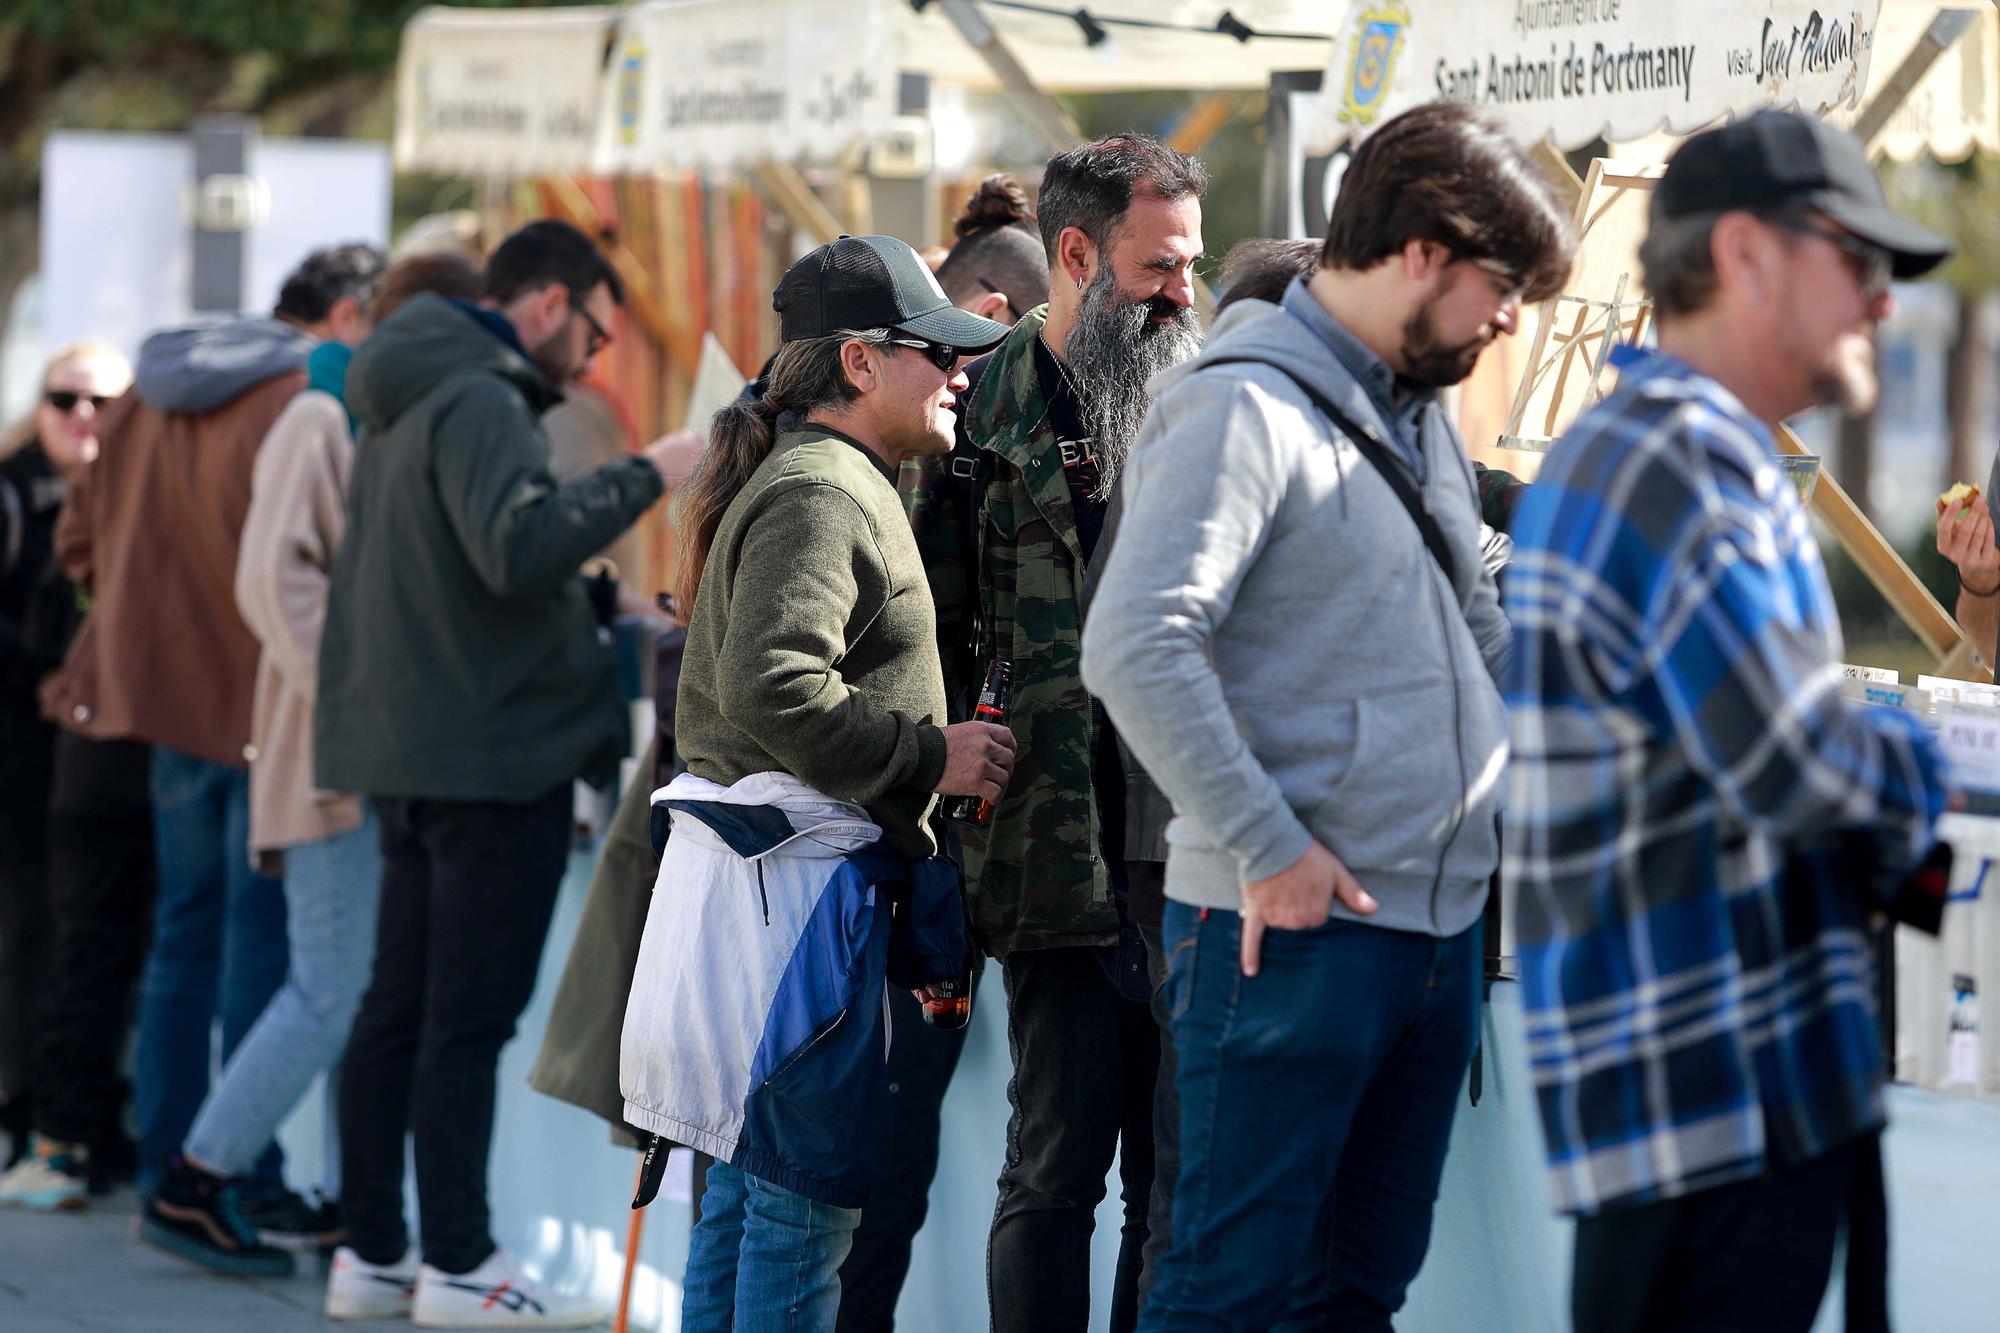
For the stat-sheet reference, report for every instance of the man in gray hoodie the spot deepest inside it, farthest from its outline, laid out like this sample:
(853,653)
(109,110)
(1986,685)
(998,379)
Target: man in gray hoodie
(1296,635)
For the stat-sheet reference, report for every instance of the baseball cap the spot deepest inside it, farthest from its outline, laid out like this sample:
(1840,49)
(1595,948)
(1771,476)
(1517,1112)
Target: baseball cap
(1781,159)
(874,282)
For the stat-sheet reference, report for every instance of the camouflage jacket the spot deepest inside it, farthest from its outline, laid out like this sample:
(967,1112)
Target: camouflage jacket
(1035,877)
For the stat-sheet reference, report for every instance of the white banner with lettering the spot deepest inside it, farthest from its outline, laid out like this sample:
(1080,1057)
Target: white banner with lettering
(723,84)
(1572,70)
(501,92)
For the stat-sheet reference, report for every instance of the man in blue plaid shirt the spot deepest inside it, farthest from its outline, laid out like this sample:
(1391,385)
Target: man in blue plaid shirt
(1699,825)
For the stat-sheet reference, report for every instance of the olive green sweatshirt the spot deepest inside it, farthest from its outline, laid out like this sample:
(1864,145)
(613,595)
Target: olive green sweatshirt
(812,648)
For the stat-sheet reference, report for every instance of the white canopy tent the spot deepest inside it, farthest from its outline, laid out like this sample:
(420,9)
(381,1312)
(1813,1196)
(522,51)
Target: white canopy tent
(727,83)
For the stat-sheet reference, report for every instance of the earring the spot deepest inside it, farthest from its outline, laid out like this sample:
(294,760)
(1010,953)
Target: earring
(1079,284)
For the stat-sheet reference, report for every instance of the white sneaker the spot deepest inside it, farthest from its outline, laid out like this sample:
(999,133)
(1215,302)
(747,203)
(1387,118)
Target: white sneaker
(497,1294)
(355,1290)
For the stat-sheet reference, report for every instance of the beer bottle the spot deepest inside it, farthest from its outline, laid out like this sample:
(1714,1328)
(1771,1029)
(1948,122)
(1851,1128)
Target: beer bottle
(949,1004)
(992,708)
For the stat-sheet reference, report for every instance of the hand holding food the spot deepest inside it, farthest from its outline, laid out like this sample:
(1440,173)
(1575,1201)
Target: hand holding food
(1965,537)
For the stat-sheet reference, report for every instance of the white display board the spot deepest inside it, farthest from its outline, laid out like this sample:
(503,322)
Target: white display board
(726,84)
(116,246)
(501,92)
(1573,70)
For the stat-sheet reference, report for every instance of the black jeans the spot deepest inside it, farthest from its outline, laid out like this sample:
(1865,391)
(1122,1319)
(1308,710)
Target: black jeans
(1166,1101)
(921,1062)
(24,932)
(1752,1256)
(101,883)
(1085,1063)
(467,892)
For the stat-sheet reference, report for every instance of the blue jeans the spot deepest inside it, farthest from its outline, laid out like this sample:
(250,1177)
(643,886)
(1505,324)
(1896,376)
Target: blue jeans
(1316,1105)
(332,888)
(218,951)
(763,1259)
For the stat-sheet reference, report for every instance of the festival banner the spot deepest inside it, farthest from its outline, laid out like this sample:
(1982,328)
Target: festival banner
(726,84)
(1570,71)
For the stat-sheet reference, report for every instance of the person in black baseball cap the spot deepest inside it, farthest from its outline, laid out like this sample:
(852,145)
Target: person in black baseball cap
(867,282)
(1768,257)
(811,690)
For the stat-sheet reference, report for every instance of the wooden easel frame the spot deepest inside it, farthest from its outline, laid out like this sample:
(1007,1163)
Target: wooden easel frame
(1934,627)
(1593,327)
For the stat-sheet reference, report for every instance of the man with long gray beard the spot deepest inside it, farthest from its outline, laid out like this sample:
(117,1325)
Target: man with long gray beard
(1047,426)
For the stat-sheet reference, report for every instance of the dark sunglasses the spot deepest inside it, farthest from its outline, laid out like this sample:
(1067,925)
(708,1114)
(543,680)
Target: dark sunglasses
(599,338)
(65,400)
(1871,264)
(943,357)
(1011,309)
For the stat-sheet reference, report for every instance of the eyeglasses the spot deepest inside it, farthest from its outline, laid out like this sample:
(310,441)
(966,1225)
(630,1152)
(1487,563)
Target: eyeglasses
(943,357)
(599,339)
(1870,264)
(1012,309)
(65,400)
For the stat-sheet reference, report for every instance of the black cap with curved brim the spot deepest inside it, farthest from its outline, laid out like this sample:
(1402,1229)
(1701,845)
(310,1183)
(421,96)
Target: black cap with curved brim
(1780,159)
(874,282)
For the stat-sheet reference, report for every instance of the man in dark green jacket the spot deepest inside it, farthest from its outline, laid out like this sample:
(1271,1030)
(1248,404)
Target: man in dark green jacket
(464,685)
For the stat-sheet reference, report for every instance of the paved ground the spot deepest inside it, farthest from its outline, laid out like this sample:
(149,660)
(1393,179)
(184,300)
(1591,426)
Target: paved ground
(84,1270)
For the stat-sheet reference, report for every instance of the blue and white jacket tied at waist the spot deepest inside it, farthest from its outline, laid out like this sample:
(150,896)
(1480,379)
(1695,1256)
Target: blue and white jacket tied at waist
(755,1030)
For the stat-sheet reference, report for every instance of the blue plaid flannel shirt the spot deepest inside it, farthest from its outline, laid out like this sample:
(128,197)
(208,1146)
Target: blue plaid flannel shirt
(1687,797)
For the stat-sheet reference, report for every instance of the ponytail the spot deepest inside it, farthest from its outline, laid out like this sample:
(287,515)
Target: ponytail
(805,376)
(740,437)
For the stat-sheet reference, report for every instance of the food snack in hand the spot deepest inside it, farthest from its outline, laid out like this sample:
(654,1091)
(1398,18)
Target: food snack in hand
(1963,494)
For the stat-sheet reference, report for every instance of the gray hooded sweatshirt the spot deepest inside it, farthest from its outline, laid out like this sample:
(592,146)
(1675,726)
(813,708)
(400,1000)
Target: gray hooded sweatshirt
(1281,651)
(199,368)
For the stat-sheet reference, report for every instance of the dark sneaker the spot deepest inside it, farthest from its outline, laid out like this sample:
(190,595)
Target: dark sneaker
(285,1221)
(196,1216)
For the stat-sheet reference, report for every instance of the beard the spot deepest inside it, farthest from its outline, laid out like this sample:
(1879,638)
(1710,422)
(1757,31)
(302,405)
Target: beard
(1846,380)
(551,357)
(1429,361)
(1116,346)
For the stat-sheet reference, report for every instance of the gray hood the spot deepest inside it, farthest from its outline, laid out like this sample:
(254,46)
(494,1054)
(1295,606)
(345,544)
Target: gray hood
(426,342)
(200,368)
(1265,332)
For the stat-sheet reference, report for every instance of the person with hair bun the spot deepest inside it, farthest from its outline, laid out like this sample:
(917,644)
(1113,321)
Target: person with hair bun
(996,268)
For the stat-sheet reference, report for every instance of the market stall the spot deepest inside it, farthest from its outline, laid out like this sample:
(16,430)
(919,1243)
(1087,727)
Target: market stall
(692,131)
